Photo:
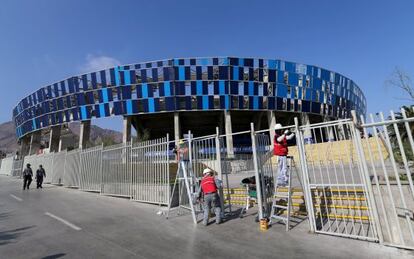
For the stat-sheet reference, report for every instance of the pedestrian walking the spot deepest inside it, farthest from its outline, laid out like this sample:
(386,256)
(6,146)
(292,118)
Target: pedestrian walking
(27,177)
(209,189)
(40,174)
(281,151)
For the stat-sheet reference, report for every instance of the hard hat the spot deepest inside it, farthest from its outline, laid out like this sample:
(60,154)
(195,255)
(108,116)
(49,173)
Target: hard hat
(207,171)
(181,142)
(278,126)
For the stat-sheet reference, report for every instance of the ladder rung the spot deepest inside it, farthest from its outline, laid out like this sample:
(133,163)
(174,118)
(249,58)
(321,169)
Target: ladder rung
(279,217)
(281,196)
(280,206)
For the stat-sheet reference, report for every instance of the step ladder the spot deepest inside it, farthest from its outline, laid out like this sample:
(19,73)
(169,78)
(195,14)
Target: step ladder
(188,187)
(276,214)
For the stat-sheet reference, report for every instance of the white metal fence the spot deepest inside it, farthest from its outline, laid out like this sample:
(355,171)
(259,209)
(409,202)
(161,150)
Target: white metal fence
(90,175)
(357,177)
(391,176)
(7,166)
(116,170)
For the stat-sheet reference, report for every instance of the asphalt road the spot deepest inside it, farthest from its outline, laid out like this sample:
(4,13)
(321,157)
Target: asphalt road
(58,222)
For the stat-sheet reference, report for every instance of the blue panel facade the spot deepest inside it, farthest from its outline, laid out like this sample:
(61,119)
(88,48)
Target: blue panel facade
(218,83)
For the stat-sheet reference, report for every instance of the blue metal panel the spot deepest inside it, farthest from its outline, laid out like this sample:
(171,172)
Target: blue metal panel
(255,102)
(102,110)
(117,79)
(204,61)
(235,73)
(105,95)
(127,77)
(199,87)
(34,124)
(167,88)
(271,64)
(144,90)
(222,89)
(251,88)
(83,113)
(181,73)
(129,106)
(205,102)
(151,106)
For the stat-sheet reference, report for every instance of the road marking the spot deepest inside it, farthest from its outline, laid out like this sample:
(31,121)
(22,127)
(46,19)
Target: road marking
(67,223)
(15,197)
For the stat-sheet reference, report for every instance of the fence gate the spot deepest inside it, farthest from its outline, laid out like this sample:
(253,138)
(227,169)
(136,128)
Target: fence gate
(337,187)
(150,171)
(116,170)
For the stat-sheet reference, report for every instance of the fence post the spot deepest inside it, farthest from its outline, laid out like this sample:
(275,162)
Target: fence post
(366,179)
(219,172)
(305,177)
(256,172)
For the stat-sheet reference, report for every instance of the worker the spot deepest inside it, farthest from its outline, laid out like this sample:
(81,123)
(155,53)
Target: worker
(27,176)
(209,189)
(40,174)
(182,156)
(281,151)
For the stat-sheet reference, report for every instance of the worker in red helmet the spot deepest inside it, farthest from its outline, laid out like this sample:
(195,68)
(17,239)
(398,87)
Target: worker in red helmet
(209,189)
(281,151)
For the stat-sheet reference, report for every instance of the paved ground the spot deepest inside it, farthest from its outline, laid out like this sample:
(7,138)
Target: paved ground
(57,222)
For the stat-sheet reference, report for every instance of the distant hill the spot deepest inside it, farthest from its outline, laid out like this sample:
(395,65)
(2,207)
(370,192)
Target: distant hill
(8,140)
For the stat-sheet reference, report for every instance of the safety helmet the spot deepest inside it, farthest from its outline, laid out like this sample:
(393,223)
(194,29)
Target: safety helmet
(207,171)
(181,142)
(278,126)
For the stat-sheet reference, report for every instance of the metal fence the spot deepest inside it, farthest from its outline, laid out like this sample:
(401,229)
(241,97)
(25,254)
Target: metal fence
(151,171)
(116,170)
(90,175)
(7,166)
(357,178)
(72,169)
(392,177)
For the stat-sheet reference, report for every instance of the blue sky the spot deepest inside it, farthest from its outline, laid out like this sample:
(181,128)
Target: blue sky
(45,41)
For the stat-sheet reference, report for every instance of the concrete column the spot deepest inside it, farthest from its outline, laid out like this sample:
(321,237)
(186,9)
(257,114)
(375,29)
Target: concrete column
(126,134)
(271,120)
(177,128)
(54,139)
(25,146)
(307,134)
(229,131)
(35,142)
(84,134)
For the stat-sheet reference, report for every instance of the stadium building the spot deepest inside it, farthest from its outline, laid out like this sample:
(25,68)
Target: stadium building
(176,95)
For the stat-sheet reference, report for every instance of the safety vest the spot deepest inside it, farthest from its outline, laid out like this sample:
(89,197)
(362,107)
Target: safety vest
(208,184)
(280,149)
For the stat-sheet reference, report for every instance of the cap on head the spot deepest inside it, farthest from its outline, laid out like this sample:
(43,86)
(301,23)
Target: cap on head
(28,165)
(278,126)
(40,166)
(207,171)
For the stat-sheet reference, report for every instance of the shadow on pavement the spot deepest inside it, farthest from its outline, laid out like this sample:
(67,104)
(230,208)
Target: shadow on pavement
(11,236)
(54,256)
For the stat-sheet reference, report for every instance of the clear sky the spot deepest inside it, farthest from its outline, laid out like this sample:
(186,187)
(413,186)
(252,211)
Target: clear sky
(45,41)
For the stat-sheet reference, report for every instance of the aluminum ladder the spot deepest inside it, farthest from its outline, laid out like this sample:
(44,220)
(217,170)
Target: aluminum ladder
(276,213)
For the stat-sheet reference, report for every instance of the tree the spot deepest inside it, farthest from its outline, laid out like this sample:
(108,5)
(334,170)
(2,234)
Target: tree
(401,80)
(409,111)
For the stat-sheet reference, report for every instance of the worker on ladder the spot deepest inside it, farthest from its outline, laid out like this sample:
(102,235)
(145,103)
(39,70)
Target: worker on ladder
(210,186)
(182,156)
(281,151)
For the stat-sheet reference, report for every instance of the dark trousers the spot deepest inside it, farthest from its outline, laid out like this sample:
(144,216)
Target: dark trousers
(27,180)
(39,181)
